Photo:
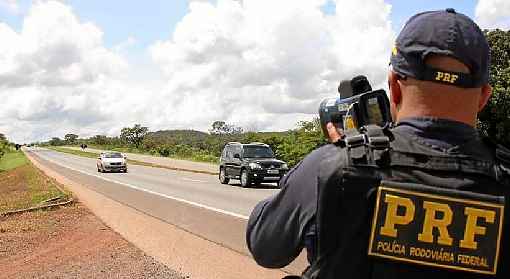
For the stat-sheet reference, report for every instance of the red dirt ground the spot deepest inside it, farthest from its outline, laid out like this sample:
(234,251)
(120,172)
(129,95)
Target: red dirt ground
(70,242)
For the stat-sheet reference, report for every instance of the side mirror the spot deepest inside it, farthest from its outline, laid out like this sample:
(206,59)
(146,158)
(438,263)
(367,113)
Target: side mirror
(237,156)
(125,157)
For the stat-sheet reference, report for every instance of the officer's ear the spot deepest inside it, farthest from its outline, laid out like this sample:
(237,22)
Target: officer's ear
(484,98)
(395,93)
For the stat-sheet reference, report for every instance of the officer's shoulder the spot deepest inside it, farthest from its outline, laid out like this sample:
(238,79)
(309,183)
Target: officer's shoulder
(325,151)
(319,155)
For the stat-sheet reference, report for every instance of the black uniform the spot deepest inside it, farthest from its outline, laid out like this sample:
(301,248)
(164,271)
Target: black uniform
(327,200)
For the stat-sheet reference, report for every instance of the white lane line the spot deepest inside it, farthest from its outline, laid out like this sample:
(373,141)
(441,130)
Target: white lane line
(155,193)
(192,180)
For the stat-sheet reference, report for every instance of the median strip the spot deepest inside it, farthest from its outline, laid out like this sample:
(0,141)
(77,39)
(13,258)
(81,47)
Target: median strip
(134,162)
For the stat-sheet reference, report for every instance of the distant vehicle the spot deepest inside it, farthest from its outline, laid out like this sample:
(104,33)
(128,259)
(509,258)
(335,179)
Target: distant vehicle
(251,163)
(111,161)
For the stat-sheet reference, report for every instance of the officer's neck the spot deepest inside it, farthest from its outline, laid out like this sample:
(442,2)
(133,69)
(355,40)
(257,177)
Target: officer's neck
(433,103)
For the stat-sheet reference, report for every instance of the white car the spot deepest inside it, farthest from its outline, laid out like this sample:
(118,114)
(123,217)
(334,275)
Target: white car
(111,161)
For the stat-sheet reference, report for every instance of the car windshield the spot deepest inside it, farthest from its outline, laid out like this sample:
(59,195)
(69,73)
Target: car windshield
(113,155)
(258,152)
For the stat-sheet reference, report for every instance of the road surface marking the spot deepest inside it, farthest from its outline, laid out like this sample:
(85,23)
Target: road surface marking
(240,216)
(193,180)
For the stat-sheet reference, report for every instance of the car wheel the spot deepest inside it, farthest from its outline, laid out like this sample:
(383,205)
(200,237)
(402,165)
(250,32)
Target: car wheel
(223,177)
(124,171)
(245,179)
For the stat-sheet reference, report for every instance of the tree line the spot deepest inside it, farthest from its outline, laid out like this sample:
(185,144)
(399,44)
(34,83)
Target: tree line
(290,146)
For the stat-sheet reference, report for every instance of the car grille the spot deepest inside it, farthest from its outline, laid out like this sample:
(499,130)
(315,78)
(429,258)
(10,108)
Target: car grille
(116,164)
(268,165)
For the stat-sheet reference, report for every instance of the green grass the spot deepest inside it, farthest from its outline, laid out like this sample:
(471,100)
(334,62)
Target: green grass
(75,152)
(122,149)
(23,185)
(12,160)
(203,158)
(194,158)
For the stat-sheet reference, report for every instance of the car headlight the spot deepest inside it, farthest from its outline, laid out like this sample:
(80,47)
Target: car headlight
(255,166)
(284,167)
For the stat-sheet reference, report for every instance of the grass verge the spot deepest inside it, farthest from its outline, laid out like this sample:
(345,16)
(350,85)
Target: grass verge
(24,186)
(202,158)
(75,152)
(133,162)
(12,160)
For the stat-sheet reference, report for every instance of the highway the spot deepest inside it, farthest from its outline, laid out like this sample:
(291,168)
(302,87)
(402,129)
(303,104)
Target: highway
(194,202)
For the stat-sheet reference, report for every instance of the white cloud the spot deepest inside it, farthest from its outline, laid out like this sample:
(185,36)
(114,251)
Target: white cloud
(492,14)
(53,74)
(260,64)
(10,5)
(269,63)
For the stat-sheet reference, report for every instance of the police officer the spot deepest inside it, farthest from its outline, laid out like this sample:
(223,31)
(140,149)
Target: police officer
(401,202)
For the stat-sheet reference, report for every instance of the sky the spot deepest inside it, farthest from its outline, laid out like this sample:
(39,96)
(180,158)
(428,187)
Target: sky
(92,67)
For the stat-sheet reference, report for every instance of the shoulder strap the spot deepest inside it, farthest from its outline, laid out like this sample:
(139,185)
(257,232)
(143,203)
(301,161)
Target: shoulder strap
(368,146)
(379,147)
(503,162)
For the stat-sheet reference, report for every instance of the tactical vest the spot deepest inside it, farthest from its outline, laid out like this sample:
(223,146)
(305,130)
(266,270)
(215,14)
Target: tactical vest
(397,208)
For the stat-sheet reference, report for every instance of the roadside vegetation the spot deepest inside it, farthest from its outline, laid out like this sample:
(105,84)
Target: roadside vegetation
(74,152)
(23,186)
(290,146)
(294,144)
(12,159)
(4,145)
(494,120)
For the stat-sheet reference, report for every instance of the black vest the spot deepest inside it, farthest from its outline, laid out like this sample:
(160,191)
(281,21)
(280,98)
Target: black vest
(347,198)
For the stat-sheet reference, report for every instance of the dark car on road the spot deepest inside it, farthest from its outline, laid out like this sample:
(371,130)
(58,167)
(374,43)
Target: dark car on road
(251,163)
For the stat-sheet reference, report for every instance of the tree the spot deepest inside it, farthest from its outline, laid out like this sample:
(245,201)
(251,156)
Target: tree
(99,140)
(223,128)
(301,142)
(3,145)
(70,138)
(56,141)
(134,135)
(494,120)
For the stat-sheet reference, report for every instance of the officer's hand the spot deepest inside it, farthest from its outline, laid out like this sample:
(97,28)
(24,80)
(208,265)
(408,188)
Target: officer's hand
(333,133)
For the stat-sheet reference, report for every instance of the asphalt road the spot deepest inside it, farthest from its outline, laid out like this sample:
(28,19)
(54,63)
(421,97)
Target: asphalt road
(195,202)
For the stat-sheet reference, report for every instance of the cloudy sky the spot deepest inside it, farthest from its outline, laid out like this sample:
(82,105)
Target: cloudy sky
(93,66)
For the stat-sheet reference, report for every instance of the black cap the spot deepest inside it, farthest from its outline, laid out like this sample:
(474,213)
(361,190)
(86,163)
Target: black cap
(443,33)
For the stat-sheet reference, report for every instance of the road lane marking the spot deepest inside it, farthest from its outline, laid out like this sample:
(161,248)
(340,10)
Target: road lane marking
(192,180)
(240,216)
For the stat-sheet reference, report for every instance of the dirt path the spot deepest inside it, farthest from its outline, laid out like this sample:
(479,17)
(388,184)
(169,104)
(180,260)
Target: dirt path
(70,242)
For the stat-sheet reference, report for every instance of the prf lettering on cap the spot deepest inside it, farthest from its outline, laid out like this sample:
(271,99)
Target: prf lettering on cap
(446,77)
(460,232)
